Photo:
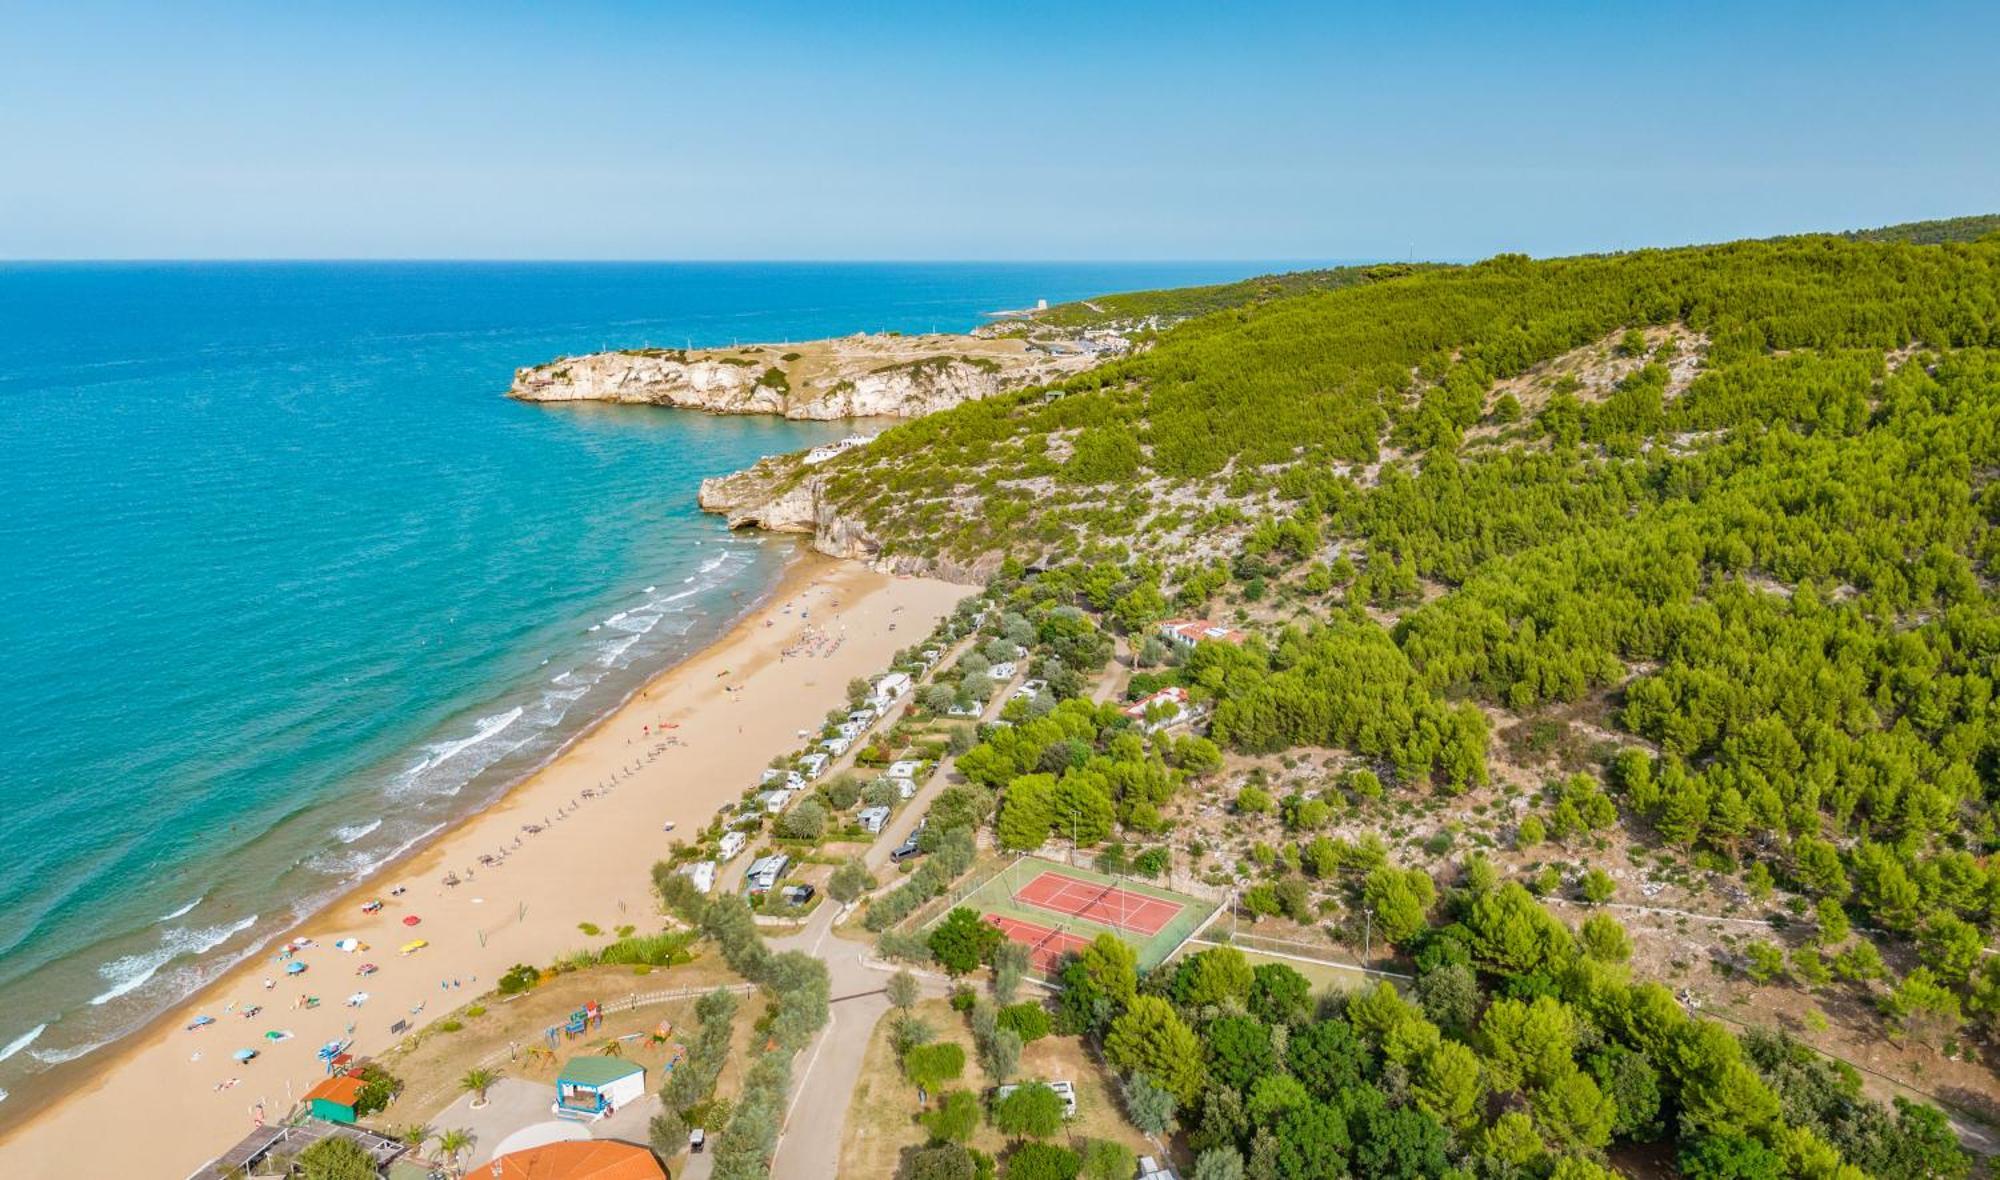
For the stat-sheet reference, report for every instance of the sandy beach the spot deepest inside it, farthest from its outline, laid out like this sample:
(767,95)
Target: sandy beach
(686,745)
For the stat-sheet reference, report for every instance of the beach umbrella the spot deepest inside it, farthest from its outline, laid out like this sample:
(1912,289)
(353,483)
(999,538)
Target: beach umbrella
(295,968)
(244,1054)
(201,1022)
(412,920)
(278,1034)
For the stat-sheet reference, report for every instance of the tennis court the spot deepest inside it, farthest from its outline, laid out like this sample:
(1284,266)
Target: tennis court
(1094,901)
(1058,909)
(1046,945)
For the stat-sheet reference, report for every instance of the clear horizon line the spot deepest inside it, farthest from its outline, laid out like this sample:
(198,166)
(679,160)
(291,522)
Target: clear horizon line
(280,259)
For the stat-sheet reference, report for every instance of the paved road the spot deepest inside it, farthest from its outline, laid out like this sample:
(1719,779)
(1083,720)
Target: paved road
(824,1075)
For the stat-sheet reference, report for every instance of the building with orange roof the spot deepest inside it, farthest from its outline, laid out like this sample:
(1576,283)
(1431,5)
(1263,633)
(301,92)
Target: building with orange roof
(334,1099)
(587,1159)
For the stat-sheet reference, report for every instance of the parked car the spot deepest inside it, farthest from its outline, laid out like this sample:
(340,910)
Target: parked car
(697,1139)
(798,894)
(907,848)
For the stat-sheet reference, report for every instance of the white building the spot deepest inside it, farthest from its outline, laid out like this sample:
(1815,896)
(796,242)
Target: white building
(905,788)
(702,873)
(775,800)
(821,454)
(851,729)
(766,871)
(890,689)
(1185,633)
(872,818)
(1001,671)
(863,717)
(968,709)
(813,765)
(908,768)
(1171,704)
(837,745)
(731,844)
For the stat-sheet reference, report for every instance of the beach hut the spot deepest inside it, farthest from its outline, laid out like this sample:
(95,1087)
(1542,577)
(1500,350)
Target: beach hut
(592,1087)
(334,1099)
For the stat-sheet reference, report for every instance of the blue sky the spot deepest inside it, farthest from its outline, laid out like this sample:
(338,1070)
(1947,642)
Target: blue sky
(999,131)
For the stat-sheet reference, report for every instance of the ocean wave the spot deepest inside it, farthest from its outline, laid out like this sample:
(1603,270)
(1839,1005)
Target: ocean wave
(488,727)
(170,917)
(129,972)
(608,655)
(349,833)
(23,1041)
(58,1056)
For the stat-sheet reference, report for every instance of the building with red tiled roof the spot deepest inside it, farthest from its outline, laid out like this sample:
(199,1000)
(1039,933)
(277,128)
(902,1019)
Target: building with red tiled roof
(587,1159)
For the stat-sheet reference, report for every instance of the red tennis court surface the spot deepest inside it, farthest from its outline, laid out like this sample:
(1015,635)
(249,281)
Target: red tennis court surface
(1046,946)
(1094,902)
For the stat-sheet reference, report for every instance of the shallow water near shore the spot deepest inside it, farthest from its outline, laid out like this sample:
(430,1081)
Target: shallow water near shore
(286,585)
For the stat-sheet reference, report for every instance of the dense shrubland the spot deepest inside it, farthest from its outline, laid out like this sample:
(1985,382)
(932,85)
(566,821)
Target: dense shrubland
(1757,544)
(1772,573)
(1523,1050)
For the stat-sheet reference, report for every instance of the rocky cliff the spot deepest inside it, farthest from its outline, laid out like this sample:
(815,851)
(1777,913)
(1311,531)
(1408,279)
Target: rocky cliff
(783,495)
(860,376)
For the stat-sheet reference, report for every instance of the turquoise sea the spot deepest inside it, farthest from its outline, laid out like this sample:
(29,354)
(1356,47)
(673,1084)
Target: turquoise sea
(287,584)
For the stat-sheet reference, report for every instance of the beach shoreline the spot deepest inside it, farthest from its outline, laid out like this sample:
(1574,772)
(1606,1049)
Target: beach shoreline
(666,752)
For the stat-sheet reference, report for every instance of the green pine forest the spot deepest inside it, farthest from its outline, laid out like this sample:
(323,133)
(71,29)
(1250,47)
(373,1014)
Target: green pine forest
(1737,501)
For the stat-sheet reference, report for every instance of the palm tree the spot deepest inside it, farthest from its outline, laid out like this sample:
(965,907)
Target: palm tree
(452,1144)
(476,1082)
(415,1136)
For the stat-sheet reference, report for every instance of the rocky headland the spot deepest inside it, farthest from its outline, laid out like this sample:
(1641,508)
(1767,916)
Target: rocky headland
(884,375)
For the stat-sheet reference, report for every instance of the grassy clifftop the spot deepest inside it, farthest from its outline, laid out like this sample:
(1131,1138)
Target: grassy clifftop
(1179,303)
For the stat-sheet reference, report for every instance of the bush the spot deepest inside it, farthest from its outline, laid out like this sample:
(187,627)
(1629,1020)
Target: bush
(518,978)
(1043,1161)
(1029,1019)
(343,1159)
(1033,1110)
(805,821)
(930,1066)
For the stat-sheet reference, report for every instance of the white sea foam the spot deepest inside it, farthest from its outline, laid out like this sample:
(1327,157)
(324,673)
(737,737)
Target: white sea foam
(23,1041)
(128,972)
(713,564)
(349,833)
(608,656)
(58,1056)
(488,727)
(170,917)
